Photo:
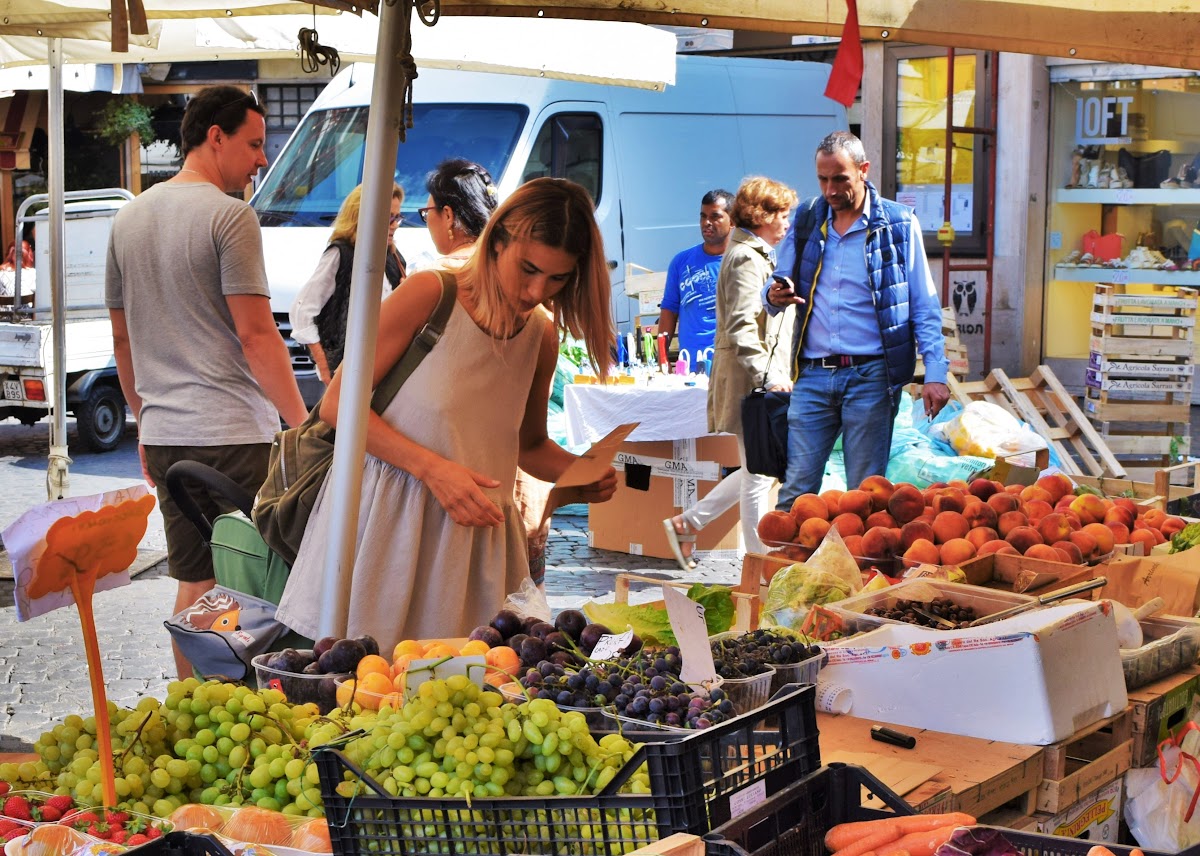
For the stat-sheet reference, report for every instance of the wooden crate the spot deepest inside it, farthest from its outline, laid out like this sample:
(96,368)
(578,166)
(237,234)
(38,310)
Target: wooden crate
(1153,493)
(1087,760)
(1043,402)
(1140,374)
(1023,574)
(956,351)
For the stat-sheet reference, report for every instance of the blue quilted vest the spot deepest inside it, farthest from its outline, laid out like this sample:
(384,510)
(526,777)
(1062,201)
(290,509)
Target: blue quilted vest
(886,249)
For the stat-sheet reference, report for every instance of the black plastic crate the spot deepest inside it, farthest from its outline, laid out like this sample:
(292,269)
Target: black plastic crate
(692,780)
(794,821)
(182,844)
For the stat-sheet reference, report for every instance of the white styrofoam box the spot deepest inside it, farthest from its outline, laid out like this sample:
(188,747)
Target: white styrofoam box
(1035,678)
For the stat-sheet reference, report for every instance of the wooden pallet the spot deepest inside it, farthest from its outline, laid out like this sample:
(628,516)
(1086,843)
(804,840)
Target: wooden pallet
(1087,760)
(1043,402)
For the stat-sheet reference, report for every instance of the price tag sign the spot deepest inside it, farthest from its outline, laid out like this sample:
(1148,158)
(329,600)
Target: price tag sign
(612,644)
(687,622)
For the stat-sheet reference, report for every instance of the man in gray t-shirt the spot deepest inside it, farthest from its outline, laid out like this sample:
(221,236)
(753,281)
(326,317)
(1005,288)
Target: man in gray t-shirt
(200,360)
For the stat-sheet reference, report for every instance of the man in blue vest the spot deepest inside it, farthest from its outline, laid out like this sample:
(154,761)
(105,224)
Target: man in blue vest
(854,264)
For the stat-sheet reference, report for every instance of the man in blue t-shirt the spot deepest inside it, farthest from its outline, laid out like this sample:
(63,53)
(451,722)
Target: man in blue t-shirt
(690,296)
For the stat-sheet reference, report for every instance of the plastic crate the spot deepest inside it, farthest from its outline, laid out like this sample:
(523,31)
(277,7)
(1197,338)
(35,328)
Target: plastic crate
(794,821)
(182,844)
(1036,844)
(693,778)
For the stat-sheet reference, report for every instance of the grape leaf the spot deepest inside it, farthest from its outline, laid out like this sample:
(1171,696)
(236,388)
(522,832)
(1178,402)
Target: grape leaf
(718,606)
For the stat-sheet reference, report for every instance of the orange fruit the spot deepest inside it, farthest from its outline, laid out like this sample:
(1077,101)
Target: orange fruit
(410,647)
(394,700)
(504,661)
(400,664)
(373,663)
(440,649)
(375,682)
(345,692)
(475,646)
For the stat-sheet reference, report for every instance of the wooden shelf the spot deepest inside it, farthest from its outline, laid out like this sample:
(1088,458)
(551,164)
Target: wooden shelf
(1128,196)
(1128,276)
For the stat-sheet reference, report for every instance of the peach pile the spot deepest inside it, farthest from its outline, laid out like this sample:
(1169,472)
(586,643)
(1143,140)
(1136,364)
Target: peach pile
(951,523)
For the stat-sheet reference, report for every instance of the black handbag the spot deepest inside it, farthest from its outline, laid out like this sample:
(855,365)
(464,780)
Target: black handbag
(1148,170)
(765,426)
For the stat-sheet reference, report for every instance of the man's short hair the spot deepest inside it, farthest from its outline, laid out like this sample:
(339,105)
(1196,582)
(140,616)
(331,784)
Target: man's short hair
(223,106)
(843,141)
(712,196)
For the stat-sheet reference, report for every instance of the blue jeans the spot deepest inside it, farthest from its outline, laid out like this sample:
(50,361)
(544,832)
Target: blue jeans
(826,401)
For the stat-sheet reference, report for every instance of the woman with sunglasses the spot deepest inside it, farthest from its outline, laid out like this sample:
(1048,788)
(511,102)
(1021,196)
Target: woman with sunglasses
(461,199)
(319,312)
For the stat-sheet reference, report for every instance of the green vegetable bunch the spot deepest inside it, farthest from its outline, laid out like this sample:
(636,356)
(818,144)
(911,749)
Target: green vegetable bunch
(1186,538)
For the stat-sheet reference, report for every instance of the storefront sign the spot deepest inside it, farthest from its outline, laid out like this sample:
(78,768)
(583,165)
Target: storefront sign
(1102,119)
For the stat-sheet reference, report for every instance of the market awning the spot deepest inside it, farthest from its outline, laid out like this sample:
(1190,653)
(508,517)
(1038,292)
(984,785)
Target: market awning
(18,119)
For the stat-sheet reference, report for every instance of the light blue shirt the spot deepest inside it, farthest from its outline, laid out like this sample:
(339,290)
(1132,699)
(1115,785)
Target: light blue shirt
(843,319)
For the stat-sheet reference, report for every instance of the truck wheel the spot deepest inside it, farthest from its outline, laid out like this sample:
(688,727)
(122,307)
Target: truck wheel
(101,419)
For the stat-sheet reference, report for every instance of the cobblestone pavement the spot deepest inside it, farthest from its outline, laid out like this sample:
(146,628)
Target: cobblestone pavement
(43,668)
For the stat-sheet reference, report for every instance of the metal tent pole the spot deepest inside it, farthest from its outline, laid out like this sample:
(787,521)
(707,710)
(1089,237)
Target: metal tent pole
(57,476)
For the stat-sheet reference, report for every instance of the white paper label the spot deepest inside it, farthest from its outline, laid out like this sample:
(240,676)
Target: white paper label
(687,622)
(473,666)
(748,798)
(612,644)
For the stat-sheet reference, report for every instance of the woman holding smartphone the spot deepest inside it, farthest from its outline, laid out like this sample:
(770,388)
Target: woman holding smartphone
(742,356)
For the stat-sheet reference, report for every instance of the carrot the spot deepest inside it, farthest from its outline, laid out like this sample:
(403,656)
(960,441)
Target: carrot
(845,834)
(921,843)
(876,839)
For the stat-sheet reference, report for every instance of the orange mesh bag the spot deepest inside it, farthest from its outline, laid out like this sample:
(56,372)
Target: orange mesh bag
(313,837)
(196,816)
(258,826)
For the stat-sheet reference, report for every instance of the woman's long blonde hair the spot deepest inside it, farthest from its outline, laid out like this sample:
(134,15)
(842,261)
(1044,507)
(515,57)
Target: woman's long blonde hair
(560,214)
(345,226)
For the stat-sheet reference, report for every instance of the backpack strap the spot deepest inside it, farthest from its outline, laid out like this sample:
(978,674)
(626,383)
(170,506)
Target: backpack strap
(421,345)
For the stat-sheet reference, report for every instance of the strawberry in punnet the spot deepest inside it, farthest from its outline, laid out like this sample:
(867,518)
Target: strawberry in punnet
(61,802)
(13,834)
(116,818)
(118,836)
(7,826)
(153,832)
(98,830)
(5,787)
(136,839)
(81,820)
(49,813)
(17,807)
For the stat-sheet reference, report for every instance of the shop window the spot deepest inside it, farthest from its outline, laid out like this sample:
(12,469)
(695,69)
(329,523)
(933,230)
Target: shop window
(916,84)
(569,145)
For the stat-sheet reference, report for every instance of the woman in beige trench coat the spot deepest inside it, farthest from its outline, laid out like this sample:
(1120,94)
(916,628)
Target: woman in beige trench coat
(742,353)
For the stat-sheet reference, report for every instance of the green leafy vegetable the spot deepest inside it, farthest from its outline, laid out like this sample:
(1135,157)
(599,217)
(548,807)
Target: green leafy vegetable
(1186,538)
(1081,489)
(718,606)
(650,620)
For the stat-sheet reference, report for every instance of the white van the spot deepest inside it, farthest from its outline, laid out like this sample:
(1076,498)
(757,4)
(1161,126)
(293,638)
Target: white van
(646,157)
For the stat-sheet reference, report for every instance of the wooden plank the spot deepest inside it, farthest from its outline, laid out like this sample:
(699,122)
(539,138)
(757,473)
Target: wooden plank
(1135,347)
(1143,444)
(679,844)
(1187,304)
(1138,412)
(1089,445)
(1054,796)
(1143,320)
(1087,743)
(902,775)
(1101,363)
(1105,383)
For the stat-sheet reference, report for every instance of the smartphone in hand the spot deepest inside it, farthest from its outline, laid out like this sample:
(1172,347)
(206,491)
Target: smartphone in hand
(784,287)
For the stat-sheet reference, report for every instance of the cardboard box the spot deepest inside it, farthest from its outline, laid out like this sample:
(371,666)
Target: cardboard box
(1159,711)
(1095,818)
(1021,574)
(631,522)
(1035,678)
(1133,580)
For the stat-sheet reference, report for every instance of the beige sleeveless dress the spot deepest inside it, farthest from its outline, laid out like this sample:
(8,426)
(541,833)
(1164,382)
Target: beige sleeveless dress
(418,574)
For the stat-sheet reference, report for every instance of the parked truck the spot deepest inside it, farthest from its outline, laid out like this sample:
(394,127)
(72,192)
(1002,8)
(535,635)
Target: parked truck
(646,157)
(26,336)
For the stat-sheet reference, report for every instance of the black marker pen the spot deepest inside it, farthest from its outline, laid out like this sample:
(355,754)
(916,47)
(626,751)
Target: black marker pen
(889,735)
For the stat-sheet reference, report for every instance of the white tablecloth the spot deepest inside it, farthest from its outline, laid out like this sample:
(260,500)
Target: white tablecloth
(666,412)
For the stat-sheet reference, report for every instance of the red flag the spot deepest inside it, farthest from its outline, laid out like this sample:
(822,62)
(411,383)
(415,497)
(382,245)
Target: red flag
(848,64)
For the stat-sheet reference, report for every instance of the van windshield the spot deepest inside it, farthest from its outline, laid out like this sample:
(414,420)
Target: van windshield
(324,160)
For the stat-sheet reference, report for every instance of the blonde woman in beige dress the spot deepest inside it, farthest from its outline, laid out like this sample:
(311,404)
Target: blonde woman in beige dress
(440,540)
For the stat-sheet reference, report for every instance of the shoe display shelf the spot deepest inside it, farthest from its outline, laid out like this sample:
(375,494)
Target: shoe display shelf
(1140,373)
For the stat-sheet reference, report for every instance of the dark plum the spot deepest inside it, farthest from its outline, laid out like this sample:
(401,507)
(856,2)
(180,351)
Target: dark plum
(563,658)
(514,642)
(591,635)
(557,641)
(541,630)
(326,695)
(313,668)
(287,660)
(323,644)
(571,622)
(527,624)
(344,656)
(635,645)
(532,651)
(507,622)
(369,644)
(487,633)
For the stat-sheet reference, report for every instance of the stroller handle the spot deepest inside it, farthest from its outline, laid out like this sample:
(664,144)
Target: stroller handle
(181,471)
